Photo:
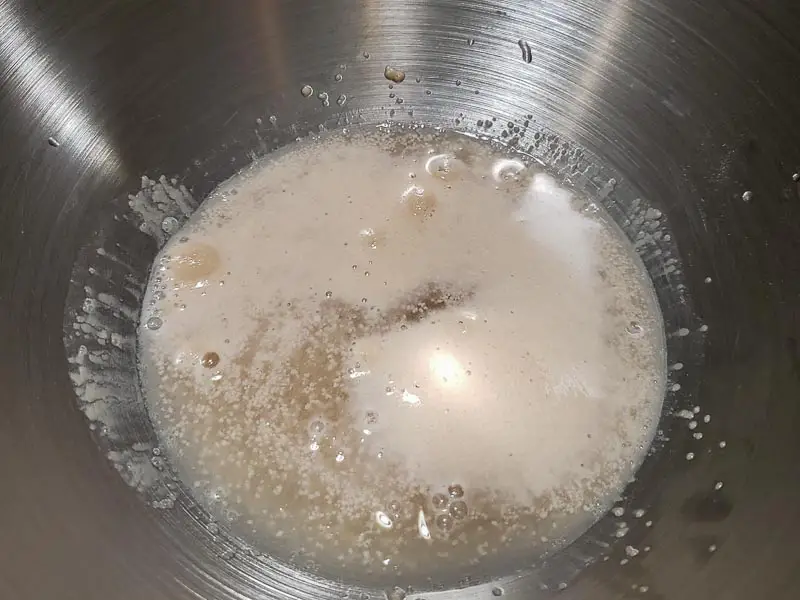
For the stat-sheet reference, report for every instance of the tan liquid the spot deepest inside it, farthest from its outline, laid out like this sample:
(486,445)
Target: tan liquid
(402,355)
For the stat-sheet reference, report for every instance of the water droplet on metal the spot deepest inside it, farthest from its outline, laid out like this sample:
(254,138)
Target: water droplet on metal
(393,74)
(337,77)
(527,55)
(53,142)
(154,323)
(306,91)
(341,99)
(747,196)
(470,41)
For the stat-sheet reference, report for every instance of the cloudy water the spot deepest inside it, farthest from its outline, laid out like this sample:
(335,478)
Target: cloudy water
(402,355)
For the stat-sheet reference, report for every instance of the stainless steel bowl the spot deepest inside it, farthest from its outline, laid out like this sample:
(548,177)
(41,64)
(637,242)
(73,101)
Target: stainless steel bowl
(685,107)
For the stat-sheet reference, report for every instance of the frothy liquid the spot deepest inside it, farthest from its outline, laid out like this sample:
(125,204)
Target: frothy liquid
(402,355)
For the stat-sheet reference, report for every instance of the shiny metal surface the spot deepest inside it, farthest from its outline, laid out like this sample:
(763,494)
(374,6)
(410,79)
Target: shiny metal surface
(693,106)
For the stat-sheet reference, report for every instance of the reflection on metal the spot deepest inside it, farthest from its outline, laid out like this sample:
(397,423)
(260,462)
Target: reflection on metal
(45,88)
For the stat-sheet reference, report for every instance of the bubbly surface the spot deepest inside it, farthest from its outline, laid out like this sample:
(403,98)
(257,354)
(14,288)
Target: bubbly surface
(402,355)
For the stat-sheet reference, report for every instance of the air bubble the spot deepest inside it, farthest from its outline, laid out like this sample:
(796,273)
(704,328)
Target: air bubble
(441,165)
(444,522)
(210,360)
(170,225)
(458,510)
(383,520)
(339,456)
(396,594)
(439,501)
(634,329)
(455,491)
(507,169)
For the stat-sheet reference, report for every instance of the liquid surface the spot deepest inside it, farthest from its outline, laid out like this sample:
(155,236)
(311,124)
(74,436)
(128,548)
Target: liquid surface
(402,356)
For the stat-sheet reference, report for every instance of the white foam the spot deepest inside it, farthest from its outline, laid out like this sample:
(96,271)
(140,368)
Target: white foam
(338,397)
